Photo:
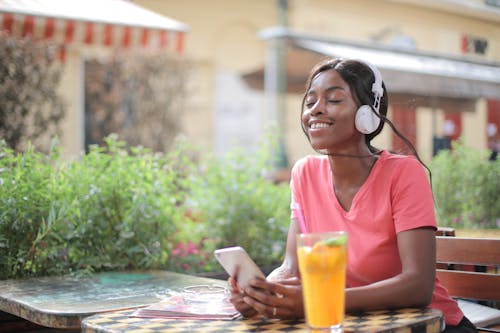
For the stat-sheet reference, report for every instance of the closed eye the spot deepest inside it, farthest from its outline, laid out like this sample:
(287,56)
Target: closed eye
(310,104)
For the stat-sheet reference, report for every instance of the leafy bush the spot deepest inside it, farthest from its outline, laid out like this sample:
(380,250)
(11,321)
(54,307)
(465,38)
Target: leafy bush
(466,187)
(120,209)
(110,210)
(241,207)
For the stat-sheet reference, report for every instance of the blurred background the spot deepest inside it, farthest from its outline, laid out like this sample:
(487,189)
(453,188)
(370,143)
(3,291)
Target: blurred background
(211,90)
(224,72)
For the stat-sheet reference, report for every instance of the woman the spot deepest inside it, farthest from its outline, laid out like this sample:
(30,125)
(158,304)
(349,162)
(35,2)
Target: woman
(383,200)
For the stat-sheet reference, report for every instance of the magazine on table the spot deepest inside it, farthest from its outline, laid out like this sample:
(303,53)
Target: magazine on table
(198,302)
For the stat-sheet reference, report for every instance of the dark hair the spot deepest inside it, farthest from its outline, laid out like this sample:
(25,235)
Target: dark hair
(359,76)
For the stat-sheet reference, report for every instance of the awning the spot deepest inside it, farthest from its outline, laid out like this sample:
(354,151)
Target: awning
(115,23)
(404,71)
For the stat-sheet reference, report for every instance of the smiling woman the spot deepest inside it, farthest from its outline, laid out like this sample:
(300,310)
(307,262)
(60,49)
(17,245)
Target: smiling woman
(382,200)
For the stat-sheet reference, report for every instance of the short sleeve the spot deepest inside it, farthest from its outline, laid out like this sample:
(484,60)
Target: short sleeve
(412,199)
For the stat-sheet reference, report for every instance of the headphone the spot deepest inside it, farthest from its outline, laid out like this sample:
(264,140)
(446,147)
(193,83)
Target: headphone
(367,117)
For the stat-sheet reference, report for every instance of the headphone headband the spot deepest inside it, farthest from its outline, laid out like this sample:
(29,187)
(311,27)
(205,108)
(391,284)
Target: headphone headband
(377,88)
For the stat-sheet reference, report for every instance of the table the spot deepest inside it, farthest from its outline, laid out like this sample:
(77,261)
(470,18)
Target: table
(62,302)
(395,321)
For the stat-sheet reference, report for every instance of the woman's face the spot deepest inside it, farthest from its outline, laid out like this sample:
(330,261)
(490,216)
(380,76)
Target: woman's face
(328,114)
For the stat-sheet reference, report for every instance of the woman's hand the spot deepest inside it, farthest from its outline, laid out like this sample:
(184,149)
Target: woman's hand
(280,295)
(277,299)
(236,299)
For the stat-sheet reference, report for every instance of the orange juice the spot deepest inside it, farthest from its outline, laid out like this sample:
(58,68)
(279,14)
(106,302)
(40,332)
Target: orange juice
(322,263)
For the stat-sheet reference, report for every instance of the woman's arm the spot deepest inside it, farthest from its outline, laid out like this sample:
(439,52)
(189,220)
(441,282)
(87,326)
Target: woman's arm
(289,267)
(413,287)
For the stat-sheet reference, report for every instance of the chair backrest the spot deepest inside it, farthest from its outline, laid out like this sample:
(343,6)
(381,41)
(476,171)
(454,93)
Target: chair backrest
(460,251)
(445,231)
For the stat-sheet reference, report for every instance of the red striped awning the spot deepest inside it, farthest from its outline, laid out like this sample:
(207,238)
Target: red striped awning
(114,23)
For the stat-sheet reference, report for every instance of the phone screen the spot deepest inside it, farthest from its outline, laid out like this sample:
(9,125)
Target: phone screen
(238,264)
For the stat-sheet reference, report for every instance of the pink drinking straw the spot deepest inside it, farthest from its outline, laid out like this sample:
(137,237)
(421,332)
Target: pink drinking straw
(300,217)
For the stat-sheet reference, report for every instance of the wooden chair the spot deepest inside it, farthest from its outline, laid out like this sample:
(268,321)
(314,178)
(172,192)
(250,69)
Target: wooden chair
(471,286)
(445,231)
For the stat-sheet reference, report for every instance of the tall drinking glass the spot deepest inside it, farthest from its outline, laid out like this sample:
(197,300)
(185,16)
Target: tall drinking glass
(322,264)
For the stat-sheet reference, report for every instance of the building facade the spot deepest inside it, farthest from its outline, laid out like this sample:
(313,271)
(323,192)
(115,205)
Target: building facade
(229,104)
(249,59)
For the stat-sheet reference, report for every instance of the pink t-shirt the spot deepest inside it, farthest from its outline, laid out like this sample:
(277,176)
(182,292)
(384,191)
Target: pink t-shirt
(395,197)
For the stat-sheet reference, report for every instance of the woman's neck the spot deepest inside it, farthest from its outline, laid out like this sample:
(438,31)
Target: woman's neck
(351,171)
(348,175)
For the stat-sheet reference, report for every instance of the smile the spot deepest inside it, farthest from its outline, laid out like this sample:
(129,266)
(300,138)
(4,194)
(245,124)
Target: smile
(319,125)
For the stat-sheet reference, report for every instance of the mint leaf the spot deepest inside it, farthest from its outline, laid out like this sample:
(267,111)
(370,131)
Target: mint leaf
(336,241)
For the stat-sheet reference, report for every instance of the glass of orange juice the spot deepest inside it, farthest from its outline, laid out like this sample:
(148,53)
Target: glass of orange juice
(322,264)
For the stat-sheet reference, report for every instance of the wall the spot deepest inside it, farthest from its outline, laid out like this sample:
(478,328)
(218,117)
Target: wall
(222,39)
(71,89)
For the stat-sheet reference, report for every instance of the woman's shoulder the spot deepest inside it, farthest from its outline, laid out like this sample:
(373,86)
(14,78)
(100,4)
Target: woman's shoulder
(309,161)
(388,157)
(399,162)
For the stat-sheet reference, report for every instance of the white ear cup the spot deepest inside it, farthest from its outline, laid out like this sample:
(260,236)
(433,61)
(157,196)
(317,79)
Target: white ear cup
(366,120)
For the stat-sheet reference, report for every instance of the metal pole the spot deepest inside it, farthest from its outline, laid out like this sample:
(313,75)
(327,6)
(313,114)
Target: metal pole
(281,85)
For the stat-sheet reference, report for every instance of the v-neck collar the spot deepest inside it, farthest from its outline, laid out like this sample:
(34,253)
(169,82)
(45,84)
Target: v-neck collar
(364,187)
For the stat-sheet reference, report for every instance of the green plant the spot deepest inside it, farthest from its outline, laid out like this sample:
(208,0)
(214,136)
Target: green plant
(119,208)
(466,188)
(239,206)
(28,210)
(129,205)
(112,209)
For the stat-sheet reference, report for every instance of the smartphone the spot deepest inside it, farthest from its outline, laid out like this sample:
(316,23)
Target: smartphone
(238,264)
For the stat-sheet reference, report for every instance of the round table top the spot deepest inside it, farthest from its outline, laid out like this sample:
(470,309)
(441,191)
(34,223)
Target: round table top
(409,320)
(63,301)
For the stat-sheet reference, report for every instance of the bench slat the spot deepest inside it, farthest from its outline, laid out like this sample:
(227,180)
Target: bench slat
(478,286)
(478,251)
